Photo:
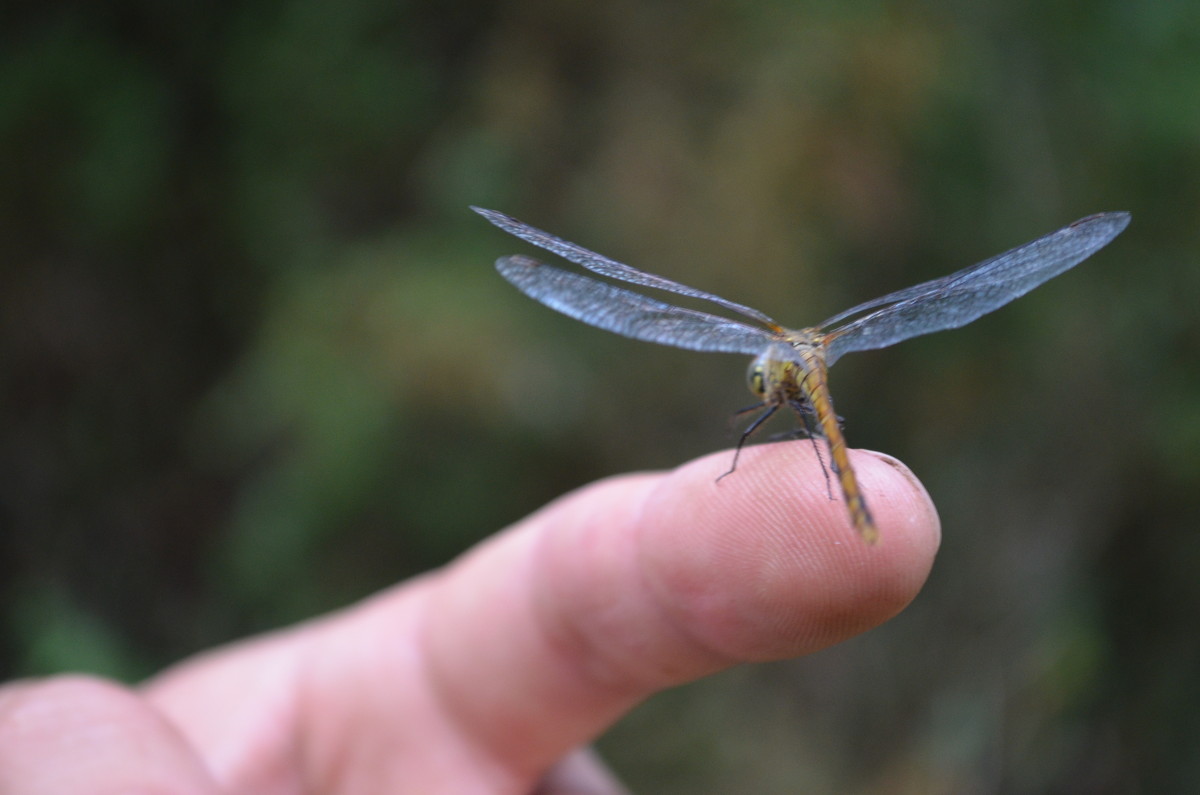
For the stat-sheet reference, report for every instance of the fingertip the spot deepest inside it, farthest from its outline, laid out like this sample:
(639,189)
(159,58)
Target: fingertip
(902,499)
(765,565)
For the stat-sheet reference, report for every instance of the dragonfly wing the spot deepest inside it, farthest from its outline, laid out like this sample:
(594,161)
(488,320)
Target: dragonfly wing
(958,299)
(628,313)
(598,263)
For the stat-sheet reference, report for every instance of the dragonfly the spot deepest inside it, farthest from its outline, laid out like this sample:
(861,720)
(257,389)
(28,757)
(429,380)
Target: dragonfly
(790,366)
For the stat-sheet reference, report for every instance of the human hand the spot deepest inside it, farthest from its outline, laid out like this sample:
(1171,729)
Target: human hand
(486,676)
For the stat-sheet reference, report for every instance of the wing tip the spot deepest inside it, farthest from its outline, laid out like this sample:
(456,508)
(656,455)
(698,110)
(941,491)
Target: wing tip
(517,262)
(499,219)
(1119,219)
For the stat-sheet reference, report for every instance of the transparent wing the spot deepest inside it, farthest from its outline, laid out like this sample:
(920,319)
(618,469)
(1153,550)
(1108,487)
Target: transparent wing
(598,263)
(628,313)
(958,299)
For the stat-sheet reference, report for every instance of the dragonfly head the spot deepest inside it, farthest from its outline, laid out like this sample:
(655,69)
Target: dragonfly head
(771,371)
(775,374)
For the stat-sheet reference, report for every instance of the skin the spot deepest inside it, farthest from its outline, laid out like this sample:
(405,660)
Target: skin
(489,675)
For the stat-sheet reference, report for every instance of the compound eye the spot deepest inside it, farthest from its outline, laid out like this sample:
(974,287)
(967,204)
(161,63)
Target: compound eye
(756,378)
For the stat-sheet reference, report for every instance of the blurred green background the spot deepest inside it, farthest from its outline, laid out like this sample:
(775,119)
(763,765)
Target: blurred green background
(256,363)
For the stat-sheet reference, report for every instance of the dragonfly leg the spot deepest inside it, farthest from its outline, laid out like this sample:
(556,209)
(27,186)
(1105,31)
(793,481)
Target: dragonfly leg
(733,418)
(748,432)
(782,436)
(787,436)
(808,418)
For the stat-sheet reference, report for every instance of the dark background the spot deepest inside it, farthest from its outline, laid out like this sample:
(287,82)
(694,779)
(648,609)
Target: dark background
(255,363)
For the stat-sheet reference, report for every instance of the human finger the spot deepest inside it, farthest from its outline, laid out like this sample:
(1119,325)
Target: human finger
(74,734)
